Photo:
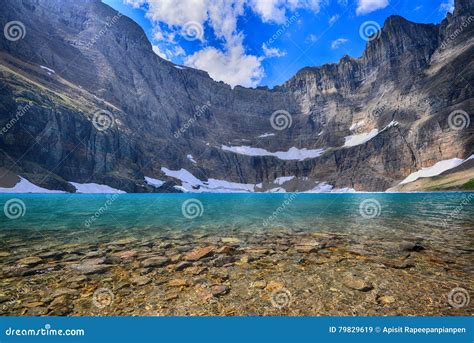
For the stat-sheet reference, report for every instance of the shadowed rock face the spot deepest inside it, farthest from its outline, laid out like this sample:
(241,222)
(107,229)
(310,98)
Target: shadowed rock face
(414,74)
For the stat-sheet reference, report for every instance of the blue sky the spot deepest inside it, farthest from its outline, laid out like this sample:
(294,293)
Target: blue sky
(265,42)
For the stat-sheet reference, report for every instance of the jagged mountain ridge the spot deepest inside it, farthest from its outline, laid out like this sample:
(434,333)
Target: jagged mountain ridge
(403,76)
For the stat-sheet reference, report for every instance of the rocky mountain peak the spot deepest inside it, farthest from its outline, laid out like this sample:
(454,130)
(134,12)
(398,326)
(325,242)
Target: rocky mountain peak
(463,7)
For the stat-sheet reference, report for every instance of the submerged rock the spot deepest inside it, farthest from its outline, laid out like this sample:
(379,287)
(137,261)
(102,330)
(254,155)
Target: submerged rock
(198,254)
(354,282)
(158,261)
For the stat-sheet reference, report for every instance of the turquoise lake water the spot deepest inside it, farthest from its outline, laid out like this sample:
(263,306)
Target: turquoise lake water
(448,215)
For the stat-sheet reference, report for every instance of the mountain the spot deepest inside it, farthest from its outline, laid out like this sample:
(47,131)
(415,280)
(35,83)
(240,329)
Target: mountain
(84,99)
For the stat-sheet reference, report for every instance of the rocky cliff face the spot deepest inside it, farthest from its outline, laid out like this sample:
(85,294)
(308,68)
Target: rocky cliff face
(80,62)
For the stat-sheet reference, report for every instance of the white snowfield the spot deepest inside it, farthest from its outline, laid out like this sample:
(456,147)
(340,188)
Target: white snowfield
(291,154)
(154,182)
(93,188)
(324,187)
(436,169)
(362,138)
(190,183)
(25,186)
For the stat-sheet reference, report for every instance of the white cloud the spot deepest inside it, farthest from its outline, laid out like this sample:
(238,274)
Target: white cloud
(447,6)
(229,62)
(338,42)
(367,6)
(275,11)
(156,50)
(177,13)
(232,66)
(333,19)
(272,52)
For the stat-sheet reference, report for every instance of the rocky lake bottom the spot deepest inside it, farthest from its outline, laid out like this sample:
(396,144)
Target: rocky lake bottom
(271,272)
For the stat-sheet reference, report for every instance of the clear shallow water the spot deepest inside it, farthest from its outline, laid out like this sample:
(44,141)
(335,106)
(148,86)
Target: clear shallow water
(429,215)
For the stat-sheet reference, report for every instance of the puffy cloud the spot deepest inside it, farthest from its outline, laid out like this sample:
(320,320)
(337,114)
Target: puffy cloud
(367,6)
(338,42)
(272,52)
(232,66)
(275,10)
(192,19)
(447,6)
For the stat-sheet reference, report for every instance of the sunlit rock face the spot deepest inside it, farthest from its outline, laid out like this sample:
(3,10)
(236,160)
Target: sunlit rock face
(103,108)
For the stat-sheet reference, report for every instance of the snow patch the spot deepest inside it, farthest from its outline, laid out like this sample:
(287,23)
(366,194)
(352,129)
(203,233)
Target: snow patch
(436,169)
(93,188)
(190,157)
(276,190)
(322,187)
(25,186)
(291,154)
(360,139)
(49,70)
(179,67)
(190,183)
(282,179)
(154,182)
(266,135)
(355,140)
